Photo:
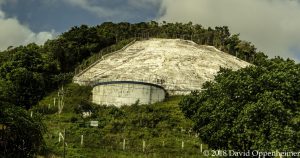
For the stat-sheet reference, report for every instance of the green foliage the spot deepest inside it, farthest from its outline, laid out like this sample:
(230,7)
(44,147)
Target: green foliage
(75,45)
(32,71)
(96,56)
(25,95)
(255,108)
(24,76)
(5,92)
(75,98)
(157,124)
(21,135)
(28,73)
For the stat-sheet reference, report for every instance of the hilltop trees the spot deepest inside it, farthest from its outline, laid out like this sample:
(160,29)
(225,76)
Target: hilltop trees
(24,76)
(72,47)
(256,108)
(31,71)
(219,36)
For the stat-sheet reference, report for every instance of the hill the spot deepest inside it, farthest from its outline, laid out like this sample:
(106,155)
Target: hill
(29,74)
(162,127)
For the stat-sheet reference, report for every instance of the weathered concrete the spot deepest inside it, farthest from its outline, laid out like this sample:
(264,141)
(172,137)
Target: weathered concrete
(120,93)
(179,66)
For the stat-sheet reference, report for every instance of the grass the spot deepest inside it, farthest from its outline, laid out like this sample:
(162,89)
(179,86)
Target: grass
(161,126)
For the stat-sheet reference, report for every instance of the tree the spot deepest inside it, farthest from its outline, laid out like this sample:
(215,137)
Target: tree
(20,134)
(5,91)
(25,86)
(77,44)
(255,108)
(23,75)
(245,49)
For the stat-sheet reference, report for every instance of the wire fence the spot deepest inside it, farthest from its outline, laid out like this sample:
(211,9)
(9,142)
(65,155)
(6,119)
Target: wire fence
(197,38)
(172,86)
(127,42)
(95,58)
(184,142)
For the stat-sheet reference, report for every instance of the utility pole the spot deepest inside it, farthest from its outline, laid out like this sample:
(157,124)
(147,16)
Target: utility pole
(64,143)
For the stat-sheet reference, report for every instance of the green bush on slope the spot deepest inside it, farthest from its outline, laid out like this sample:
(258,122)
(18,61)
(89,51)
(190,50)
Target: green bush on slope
(256,108)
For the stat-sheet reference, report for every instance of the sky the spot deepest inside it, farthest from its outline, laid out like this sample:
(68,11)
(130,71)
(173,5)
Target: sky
(273,26)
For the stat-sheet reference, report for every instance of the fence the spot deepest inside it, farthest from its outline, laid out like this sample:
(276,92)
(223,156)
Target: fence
(93,60)
(173,87)
(126,43)
(117,143)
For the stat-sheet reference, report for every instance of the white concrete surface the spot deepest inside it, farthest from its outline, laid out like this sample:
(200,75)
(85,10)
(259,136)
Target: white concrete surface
(178,65)
(120,94)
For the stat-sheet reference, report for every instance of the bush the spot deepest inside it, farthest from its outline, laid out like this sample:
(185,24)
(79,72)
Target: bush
(74,119)
(22,135)
(256,108)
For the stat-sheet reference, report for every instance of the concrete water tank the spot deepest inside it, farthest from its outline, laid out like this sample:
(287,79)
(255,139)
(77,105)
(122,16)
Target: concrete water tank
(177,66)
(120,93)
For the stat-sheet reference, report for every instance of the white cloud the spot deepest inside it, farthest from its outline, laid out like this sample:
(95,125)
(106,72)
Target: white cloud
(13,33)
(272,25)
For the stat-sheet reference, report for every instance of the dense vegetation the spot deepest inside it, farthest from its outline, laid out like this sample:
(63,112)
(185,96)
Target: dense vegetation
(20,134)
(29,73)
(256,108)
(162,126)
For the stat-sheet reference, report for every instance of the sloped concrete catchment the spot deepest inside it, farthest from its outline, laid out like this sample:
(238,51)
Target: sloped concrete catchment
(147,71)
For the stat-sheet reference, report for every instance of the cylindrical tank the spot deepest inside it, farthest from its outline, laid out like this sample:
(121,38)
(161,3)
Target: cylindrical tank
(120,93)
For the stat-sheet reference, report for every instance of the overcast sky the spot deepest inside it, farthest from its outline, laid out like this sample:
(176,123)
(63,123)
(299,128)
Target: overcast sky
(273,26)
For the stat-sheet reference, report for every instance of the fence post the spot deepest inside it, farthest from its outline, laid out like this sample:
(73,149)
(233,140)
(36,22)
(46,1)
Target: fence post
(81,142)
(124,142)
(182,144)
(201,149)
(64,140)
(144,145)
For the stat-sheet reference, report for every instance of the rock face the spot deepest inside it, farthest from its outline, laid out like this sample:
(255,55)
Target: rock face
(179,66)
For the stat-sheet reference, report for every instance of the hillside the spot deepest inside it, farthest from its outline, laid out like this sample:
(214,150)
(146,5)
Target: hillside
(157,130)
(30,76)
(162,126)
(178,65)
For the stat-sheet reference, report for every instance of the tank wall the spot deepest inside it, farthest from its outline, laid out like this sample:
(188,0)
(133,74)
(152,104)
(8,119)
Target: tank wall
(119,94)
